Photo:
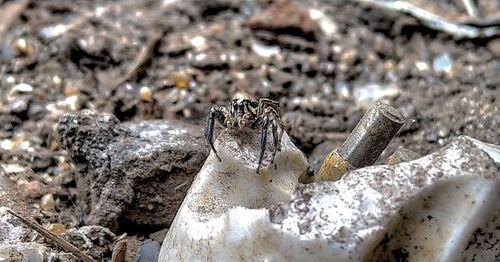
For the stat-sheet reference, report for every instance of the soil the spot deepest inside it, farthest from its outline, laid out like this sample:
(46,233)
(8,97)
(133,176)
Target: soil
(143,60)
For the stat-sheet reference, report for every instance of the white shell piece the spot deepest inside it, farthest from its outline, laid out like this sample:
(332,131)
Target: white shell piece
(441,207)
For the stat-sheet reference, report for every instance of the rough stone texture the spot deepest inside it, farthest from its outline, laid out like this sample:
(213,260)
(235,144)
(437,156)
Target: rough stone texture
(134,174)
(19,243)
(93,240)
(441,207)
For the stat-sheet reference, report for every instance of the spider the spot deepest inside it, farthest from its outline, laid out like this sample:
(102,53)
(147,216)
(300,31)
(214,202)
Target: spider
(246,113)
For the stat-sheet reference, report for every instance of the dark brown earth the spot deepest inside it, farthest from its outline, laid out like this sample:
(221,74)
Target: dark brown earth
(174,60)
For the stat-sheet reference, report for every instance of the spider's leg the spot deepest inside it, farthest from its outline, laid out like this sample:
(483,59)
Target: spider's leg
(209,130)
(274,129)
(263,140)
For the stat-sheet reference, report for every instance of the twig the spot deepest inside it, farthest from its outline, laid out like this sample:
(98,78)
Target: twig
(143,56)
(10,12)
(57,239)
(438,22)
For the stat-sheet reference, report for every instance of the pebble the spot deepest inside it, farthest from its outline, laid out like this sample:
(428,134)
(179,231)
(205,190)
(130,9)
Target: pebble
(53,31)
(21,88)
(7,144)
(443,63)
(148,251)
(70,90)
(328,27)
(13,168)
(199,43)
(342,89)
(494,47)
(265,51)
(34,189)
(57,228)
(47,202)
(180,78)
(146,94)
(71,103)
(57,81)
(23,47)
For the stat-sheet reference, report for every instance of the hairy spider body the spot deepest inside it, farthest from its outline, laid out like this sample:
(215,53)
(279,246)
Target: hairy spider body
(246,113)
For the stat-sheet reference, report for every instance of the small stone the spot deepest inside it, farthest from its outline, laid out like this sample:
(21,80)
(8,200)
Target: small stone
(57,229)
(146,94)
(265,51)
(443,63)
(422,66)
(23,47)
(53,31)
(325,23)
(19,104)
(7,144)
(34,189)
(198,42)
(282,16)
(11,79)
(13,168)
(342,89)
(21,88)
(443,132)
(70,90)
(402,155)
(494,47)
(71,103)
(57,81)
(47,202)
(180,78)
(148,251)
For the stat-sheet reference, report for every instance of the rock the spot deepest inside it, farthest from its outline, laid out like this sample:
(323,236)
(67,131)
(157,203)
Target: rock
(443,206)
(402,155)
(93,240)
(222,189)
(158,236)
(148,251)
(285,17)
(12,230)
(24,252)
(494,47)
(136,173)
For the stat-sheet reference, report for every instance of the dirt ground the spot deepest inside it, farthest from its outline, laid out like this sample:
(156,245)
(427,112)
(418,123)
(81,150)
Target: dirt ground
(145,60)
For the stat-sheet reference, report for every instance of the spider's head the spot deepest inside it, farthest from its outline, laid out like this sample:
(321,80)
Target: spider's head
(243,112)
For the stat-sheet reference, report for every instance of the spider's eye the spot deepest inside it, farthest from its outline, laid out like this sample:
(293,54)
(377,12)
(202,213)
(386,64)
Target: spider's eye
(254,103)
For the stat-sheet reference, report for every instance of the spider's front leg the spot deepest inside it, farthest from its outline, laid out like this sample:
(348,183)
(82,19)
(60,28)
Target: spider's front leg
(220,113)
(263,140)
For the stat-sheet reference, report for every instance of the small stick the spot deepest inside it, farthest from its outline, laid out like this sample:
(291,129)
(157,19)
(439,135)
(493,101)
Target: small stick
(143,56)
(57,239)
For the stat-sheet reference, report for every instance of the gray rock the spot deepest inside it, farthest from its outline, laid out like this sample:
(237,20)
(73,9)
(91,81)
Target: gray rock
(148,251)
(136,173)
(93,240)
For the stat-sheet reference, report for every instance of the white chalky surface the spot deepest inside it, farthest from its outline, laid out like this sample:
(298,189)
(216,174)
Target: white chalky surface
(435,208)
